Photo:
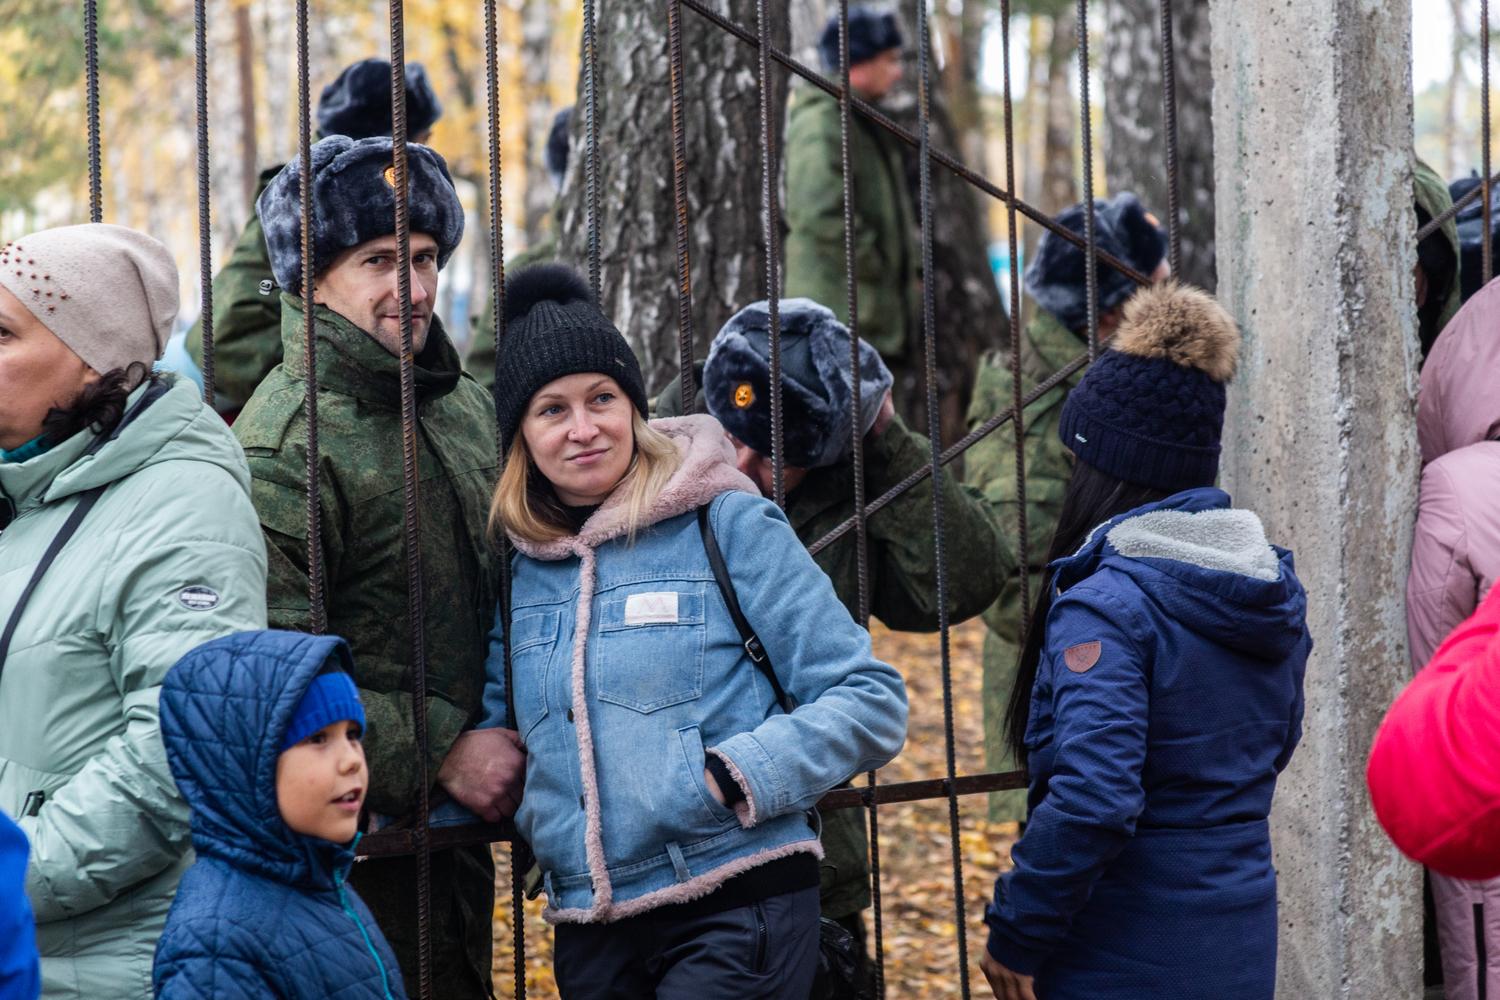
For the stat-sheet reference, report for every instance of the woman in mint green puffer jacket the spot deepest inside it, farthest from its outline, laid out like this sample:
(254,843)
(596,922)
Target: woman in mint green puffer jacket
(169,556)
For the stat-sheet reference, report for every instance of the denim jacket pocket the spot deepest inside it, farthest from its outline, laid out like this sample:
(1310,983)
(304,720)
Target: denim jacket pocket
(690,739)
(533,641)
(649,652)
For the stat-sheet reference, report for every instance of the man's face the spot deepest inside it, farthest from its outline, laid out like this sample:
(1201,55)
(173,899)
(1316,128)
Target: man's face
(758,467)
(360,285)
(875,77)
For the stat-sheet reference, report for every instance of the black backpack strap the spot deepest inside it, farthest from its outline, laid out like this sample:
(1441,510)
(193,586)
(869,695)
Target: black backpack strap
(85,504)
(753,647)
(69,529)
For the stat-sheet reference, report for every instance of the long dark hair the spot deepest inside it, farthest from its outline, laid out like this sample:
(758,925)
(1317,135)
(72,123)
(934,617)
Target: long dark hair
(1092,498)
(99,406)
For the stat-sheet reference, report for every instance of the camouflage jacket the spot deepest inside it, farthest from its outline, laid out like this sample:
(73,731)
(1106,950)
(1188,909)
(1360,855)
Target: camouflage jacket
(991,467)
(359,426)
(247,316)
(885,226)
(479,359)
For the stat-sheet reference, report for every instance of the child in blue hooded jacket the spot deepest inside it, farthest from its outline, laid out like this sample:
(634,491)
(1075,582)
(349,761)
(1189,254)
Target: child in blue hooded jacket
(1159,693)
(262,731)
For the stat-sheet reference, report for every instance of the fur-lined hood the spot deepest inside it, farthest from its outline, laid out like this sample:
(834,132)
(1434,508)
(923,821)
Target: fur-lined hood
(707,470)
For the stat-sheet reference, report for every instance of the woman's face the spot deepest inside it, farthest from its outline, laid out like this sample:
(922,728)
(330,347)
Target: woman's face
(37,372)
(578,430)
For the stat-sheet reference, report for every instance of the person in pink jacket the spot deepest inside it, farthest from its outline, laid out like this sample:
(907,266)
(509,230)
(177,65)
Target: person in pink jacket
(1455,561)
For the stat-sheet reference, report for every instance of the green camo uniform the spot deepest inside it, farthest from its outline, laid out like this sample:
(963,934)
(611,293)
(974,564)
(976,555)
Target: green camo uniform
(1432,194)
(885,257)
(247,315)
(479,359)
(359,425)
(990,465)
(903,584)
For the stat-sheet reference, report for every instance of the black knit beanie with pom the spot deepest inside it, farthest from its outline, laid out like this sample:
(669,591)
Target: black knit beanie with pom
(554,328)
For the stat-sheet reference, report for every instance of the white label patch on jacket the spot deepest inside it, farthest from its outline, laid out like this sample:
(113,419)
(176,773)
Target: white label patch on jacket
(198,598)
(658,608)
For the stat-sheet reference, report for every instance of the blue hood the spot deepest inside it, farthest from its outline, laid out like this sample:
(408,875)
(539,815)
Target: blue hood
(224,709)
(1207,565)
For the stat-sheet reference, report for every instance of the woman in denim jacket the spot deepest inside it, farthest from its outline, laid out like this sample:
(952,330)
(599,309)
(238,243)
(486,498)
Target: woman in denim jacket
(667,796)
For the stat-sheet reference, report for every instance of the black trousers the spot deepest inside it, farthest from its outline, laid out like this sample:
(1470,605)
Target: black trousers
(461,928)
(767,950)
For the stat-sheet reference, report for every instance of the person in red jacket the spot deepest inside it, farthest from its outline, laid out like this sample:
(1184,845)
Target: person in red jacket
(1434,771)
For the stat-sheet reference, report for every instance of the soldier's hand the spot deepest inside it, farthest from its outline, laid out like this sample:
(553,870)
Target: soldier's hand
(485,771)
(884,417)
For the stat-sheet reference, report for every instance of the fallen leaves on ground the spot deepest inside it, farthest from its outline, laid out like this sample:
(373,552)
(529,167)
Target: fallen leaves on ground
(919,921)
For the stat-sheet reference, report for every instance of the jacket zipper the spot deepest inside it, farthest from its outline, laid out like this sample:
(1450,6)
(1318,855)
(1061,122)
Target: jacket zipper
(338,880)
(760,936)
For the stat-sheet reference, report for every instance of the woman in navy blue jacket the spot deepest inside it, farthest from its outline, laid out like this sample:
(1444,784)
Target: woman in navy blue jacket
(1160,694)
(667,792)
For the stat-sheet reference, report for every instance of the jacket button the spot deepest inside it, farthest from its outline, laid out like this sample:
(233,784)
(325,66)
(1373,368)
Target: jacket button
(570,715)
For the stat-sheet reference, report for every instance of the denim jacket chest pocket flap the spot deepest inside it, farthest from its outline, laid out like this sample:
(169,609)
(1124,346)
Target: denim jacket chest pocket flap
(533,641)
(649,652)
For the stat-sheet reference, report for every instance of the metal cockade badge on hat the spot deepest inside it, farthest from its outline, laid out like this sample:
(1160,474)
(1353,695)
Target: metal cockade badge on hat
(744,395)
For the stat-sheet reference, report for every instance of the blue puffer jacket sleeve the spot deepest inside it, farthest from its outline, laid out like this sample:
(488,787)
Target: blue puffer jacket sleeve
(220,963)
(20,978)
(851,708)
(1097,699)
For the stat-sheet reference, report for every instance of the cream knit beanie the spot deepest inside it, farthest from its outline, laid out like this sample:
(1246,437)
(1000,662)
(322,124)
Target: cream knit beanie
(108,292)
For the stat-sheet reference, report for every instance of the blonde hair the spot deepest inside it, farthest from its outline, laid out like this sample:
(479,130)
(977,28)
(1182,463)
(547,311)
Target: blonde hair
(526,506)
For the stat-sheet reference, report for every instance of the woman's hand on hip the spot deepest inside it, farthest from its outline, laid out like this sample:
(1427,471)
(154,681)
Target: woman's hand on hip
(713,788)
(1006,985)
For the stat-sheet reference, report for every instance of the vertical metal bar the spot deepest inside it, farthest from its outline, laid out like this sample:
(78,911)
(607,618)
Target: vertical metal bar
(1090,259)
(857,451)
(317,609)
(205,236)
(1169,126)
(934,425)
(1486,249)
(1018,414)
(91,70)
(770,223)
(679,195)
(497,204)
(414,596)
(591,144)
(497,289)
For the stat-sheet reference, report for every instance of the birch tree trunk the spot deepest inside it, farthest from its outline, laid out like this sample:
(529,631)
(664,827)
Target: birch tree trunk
(1135,137)
(637,217)
(538,18)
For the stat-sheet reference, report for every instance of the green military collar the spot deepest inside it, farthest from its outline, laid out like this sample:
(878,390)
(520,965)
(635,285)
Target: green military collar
(353,363)
(1052,347)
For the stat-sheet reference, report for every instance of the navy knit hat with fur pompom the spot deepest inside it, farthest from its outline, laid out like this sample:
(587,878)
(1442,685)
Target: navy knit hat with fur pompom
(554,328)
(354,200)
(1150,410)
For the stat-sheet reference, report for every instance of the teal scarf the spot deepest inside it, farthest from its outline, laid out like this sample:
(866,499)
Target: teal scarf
(38,445)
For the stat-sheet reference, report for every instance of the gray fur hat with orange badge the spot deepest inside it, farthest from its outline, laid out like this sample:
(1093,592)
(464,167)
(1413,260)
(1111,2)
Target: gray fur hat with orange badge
(816,382)
(354,200)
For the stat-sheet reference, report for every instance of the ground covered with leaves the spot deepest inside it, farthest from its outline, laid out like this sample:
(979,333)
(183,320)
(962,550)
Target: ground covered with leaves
(919,918)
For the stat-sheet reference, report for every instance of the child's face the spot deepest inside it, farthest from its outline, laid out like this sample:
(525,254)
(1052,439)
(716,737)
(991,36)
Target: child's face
(321,783)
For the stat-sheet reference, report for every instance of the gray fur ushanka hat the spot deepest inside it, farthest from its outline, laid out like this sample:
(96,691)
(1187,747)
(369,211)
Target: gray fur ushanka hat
(358,102)
(816,382)
(1122,227)
(354,200)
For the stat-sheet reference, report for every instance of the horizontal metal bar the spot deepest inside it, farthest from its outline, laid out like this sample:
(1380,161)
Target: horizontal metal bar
(1458,206)
(954,450)
(389,843)
(937,155)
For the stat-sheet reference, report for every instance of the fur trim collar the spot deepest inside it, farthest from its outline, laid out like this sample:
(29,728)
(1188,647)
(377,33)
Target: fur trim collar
(707,470)
(1226,541)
